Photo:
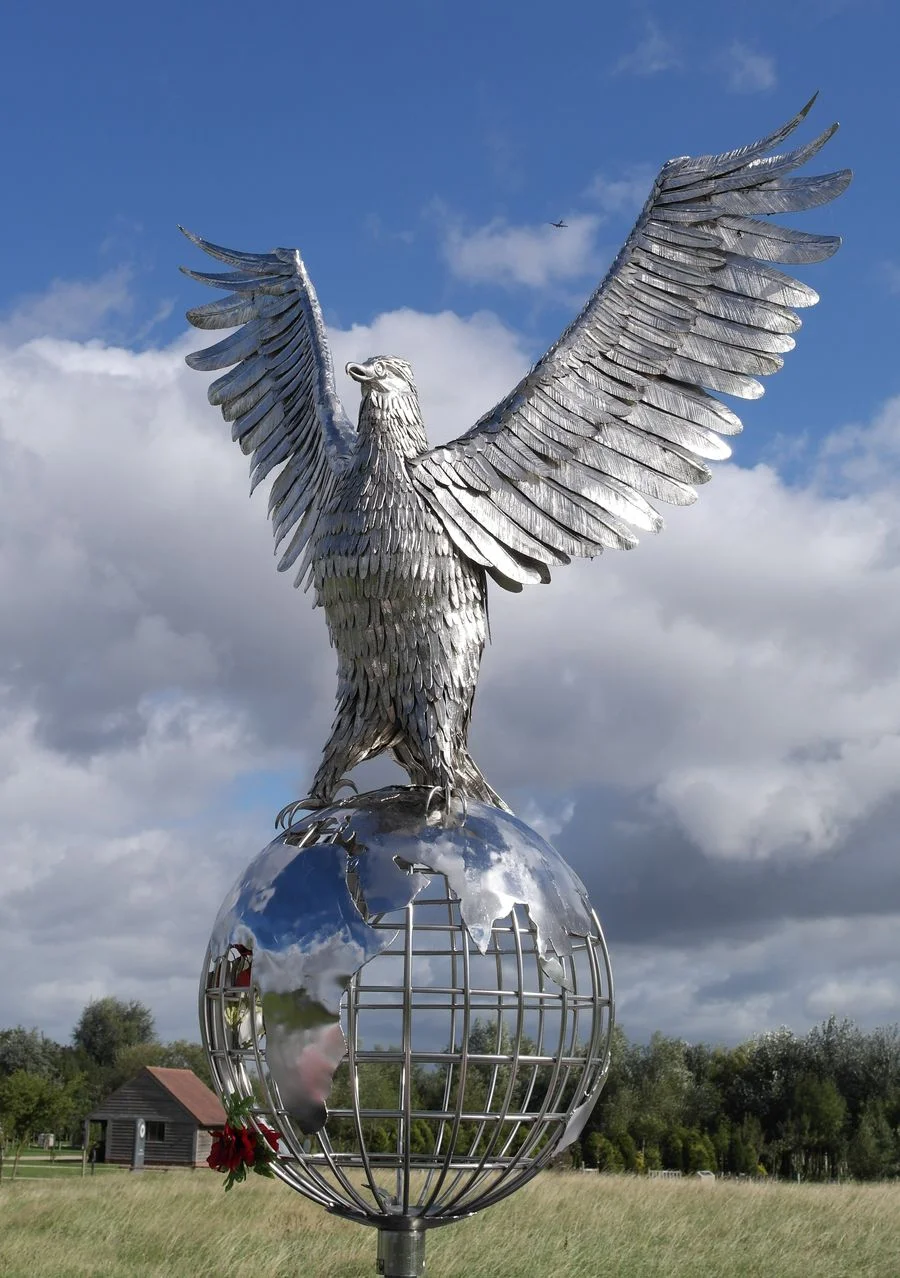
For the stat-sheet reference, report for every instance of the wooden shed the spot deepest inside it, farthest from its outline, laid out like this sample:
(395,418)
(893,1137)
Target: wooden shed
(163,1117)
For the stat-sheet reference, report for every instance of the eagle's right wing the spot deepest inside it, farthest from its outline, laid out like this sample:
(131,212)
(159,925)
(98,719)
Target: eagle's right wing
(619,413)
(281,395)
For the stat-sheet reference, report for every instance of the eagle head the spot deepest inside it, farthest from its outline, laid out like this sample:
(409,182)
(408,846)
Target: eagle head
(386,374)
(390,403)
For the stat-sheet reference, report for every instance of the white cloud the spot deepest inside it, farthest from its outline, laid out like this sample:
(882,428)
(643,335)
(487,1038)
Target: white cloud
(548,822)
(622,195)
(741,666)
(891,275)
(544,255)
(462,367)
(153,662)
(71,308)
(535,256)
(739,672)
(737,988)
(748,70)
(867,993)
(654,53)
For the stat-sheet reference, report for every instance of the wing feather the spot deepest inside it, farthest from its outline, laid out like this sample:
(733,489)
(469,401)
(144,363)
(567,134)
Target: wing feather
(280,391)
(619,412)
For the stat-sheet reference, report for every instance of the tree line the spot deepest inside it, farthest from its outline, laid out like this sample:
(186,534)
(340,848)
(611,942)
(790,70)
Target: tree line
(819,1106)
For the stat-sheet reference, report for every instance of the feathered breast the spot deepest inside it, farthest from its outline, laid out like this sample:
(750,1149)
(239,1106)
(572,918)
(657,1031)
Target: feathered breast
(377,531)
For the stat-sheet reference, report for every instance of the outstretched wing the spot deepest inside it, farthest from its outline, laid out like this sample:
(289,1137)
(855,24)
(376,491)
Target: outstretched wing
(281,395)
(618,411)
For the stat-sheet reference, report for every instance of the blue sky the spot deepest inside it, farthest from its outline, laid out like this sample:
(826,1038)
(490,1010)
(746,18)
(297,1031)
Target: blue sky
(343,129)
(709,731)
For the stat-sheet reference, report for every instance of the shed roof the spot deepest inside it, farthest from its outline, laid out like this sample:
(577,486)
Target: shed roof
(179,1085)
(191,1093)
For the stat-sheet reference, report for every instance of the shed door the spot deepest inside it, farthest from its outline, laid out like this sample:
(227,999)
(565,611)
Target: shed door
(140,1141)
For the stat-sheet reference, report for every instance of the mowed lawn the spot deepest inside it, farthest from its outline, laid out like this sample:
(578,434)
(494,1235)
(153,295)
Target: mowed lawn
(183,1225)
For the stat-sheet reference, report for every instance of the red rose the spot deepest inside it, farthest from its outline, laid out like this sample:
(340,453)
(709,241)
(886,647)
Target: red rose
(236,1147)
(247,1147)
(226,1154)
(270,1135)
(215,1154)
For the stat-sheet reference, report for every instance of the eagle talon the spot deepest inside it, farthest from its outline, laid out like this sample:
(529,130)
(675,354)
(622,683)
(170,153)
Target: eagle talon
(313,803)
(445,808)
(286,816)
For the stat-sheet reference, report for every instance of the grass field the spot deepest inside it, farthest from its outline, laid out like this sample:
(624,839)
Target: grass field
(183,1225)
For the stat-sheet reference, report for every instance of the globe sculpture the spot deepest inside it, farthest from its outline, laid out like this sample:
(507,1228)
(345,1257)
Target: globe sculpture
(445,981)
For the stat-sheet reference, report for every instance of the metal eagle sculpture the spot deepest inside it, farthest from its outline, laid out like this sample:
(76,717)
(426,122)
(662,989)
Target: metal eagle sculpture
(399,539)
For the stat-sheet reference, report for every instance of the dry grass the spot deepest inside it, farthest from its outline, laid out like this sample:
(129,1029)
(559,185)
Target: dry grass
(182,1225)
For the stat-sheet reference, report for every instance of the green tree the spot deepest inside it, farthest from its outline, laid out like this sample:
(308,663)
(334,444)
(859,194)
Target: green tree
(29,1050)
(107,1025)
(591,1148)
(30,1104)
(130,1061)
(609,1158)
(632,1159)
(743,1152)
(873,1149)
(671,1148)
(820,1113)
(698,1151)
(180,1054)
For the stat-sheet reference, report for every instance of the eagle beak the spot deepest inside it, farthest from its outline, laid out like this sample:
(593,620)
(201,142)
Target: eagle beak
(359,372)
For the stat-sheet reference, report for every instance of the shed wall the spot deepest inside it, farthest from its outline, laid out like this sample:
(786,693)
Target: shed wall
(203,1146)
(144,1098)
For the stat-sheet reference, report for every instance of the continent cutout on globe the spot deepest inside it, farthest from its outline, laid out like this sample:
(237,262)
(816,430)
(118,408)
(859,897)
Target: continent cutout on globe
(303,908)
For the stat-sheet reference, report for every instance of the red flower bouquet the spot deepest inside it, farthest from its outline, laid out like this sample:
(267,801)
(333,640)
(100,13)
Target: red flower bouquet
(237,1147)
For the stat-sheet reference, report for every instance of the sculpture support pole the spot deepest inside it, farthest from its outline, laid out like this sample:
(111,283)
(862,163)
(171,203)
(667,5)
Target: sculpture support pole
(401,1253)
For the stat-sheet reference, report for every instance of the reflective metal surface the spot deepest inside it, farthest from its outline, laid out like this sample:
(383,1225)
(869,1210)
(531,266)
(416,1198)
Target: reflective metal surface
(398,539)
(453,975)
(401,1254)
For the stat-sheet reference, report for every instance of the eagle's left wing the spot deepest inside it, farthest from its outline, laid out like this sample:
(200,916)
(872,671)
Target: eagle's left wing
(619,409)
(280,392)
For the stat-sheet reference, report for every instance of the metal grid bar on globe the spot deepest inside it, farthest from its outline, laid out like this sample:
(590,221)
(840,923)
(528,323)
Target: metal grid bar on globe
(442,1181)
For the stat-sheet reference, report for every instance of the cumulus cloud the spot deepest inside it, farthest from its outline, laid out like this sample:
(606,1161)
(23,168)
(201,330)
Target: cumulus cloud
(79,309)
(654,52)
(153,665)
(534,256)
(707,726)
(544,255)
(462,367)
(773,978)
(891,275)
(621,195)
(748,70)
(755,635)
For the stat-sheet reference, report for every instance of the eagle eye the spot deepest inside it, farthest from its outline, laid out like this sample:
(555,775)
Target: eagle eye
(378,368)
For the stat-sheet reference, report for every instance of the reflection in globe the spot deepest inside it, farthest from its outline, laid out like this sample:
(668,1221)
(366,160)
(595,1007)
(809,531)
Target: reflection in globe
(422,1008)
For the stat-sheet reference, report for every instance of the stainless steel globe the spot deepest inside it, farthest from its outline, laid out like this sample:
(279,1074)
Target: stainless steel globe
(422,1007)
